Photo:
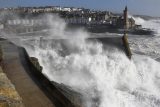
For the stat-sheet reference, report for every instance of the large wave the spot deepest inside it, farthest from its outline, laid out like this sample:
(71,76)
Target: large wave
(153,24)
(103,75)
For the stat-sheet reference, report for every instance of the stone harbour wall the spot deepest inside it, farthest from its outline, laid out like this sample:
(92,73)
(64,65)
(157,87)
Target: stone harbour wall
(8,94)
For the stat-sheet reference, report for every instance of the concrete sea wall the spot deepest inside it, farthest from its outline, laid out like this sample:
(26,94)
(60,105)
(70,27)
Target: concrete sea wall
(52,89)
(9,97)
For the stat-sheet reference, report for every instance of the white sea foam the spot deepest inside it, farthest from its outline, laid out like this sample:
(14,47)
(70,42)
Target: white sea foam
(106,74)
(153,24)
(97,73)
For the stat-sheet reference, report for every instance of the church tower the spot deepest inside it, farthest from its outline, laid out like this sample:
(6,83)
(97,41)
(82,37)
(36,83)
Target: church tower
(125,37)
(125,15)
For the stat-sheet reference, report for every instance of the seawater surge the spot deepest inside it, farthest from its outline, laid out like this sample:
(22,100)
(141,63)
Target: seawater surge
(153,24)
(102,75)
(105,74)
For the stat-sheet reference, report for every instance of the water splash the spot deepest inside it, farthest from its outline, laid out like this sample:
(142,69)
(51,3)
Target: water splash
(153,24)
(105,76)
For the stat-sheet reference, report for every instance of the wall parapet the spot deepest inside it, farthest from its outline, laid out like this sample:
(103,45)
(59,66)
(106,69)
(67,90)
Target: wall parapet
(9,97)
(52,89)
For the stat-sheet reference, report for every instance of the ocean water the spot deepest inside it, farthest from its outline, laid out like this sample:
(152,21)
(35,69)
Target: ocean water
(147,45)
(106,75)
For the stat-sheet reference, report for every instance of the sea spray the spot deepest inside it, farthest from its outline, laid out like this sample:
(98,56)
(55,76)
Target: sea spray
(153,24)
(105,77)
(105,74)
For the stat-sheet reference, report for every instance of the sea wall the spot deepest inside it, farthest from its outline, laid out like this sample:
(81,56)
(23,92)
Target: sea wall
(52,89)
(8,94)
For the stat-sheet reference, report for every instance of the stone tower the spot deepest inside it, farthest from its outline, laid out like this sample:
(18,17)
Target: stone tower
(125,37)
(125,13)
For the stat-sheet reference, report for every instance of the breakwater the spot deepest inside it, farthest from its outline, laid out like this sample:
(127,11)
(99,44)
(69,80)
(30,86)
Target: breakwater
(34,88)
(9,97)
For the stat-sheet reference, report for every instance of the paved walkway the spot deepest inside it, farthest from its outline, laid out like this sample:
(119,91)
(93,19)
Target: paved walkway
(25,85)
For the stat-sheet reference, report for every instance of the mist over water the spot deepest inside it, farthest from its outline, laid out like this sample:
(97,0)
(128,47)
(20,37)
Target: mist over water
(147,44)
(105,77)
(153,24)
(106,74)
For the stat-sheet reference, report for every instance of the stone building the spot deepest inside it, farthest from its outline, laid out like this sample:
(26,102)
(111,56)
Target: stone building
(125,18)
(125,22)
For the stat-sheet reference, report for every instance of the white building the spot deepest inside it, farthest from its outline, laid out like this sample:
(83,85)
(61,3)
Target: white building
(49,9)
(77,20)
(26,22)
(75,9)
(68,9)
(35,10)
(57,8)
